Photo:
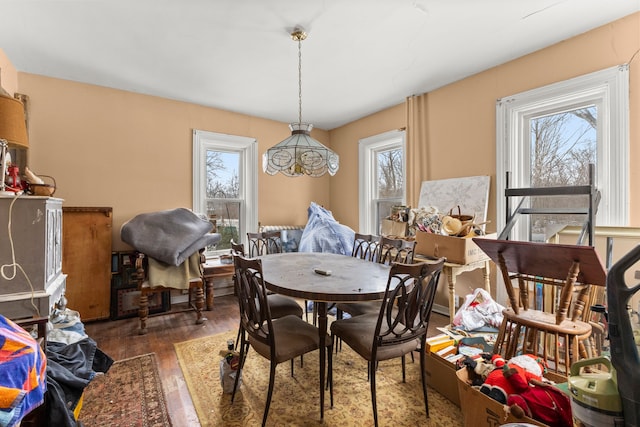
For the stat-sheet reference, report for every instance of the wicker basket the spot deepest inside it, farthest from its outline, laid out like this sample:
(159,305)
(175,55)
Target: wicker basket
(42,189)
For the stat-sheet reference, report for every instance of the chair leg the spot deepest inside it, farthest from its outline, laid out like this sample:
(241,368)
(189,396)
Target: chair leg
(242,358)
(330,373)
(315,313)
(143,312)
(235,347)
(404,372)
(423,376)
(338,342)
(272,374)
(372,376)
(199,305)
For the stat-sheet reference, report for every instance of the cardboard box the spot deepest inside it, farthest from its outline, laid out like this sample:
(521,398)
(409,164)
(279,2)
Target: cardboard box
(457,250)
(394,228)
(479,410)
(441,376)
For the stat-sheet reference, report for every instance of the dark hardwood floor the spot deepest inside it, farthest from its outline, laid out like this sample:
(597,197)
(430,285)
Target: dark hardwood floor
(120,340)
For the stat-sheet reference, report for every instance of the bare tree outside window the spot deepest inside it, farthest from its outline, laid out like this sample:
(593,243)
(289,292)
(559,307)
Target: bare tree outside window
(222,194)
(390,181)
(390,176)
(562,147)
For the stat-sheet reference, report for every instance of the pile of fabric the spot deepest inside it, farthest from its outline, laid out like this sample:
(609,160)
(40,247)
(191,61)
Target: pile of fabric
(72,361)
(170,236)
(324,234)
(479,312)
(22,373)
(172,240)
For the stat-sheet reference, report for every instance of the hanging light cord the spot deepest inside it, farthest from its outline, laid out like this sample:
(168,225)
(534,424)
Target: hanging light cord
(299,80)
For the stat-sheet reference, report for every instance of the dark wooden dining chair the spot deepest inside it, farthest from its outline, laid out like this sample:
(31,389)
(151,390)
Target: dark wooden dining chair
(386,250)
(237,248)
(365,246)
(277,340)
(270,242)
(395,250)
(279,305)
(264,243)
(400,325)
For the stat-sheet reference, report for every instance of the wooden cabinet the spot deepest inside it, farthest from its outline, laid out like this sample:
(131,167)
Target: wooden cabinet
(86,259)
(30,256)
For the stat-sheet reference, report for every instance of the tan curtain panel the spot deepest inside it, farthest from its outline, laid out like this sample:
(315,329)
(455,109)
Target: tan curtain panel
(417,146)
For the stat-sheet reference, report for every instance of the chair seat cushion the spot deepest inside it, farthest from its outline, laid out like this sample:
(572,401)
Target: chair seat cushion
(360,308)
(357,332)
(281,306)
(293,337)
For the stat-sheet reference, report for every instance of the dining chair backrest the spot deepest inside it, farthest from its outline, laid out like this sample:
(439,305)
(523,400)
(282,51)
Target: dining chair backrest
(395,250)
(364,246)
(237,248)
(255,316)
(264,243)
(407,303)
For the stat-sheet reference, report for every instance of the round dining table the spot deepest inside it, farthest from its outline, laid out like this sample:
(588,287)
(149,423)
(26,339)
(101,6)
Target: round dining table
(348,279)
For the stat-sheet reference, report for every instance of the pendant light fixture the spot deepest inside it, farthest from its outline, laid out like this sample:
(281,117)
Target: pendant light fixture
(300,154)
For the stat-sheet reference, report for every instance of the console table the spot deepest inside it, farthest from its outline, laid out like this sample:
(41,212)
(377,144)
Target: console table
(213,269)
(453,270)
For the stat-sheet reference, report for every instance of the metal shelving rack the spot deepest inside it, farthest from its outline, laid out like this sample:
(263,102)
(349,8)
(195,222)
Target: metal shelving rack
(512,215)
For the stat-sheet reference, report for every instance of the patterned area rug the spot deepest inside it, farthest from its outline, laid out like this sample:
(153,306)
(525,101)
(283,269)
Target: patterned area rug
(129,394)
(296,401)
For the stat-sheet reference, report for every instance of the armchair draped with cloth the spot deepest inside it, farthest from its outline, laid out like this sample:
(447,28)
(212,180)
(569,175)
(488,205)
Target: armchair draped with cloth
(171,242)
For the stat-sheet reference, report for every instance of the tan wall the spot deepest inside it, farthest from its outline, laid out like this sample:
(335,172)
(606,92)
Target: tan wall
(462,120)
(133,152)
(8,75)
(344,185)
(462,115)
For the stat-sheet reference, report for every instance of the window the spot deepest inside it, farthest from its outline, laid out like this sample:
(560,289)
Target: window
(548,136)
(381,178)
(225,184)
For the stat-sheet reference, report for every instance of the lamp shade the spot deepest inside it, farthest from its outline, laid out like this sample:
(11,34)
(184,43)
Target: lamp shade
(13,127)
(300,154)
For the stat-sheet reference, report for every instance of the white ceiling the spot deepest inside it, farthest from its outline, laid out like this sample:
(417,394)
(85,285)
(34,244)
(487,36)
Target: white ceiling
(360,57)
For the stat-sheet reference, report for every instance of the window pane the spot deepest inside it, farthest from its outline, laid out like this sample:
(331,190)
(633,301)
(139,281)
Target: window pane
(383,210)
(390,180)
(225,216)
(222,174)
(562,147)
(223,183)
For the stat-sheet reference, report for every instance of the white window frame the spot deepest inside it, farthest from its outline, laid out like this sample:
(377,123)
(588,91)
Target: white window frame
(247,148)
(609,90)
(367,150)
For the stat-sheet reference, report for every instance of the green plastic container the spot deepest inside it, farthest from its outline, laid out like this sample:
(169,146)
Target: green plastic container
(595,400)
